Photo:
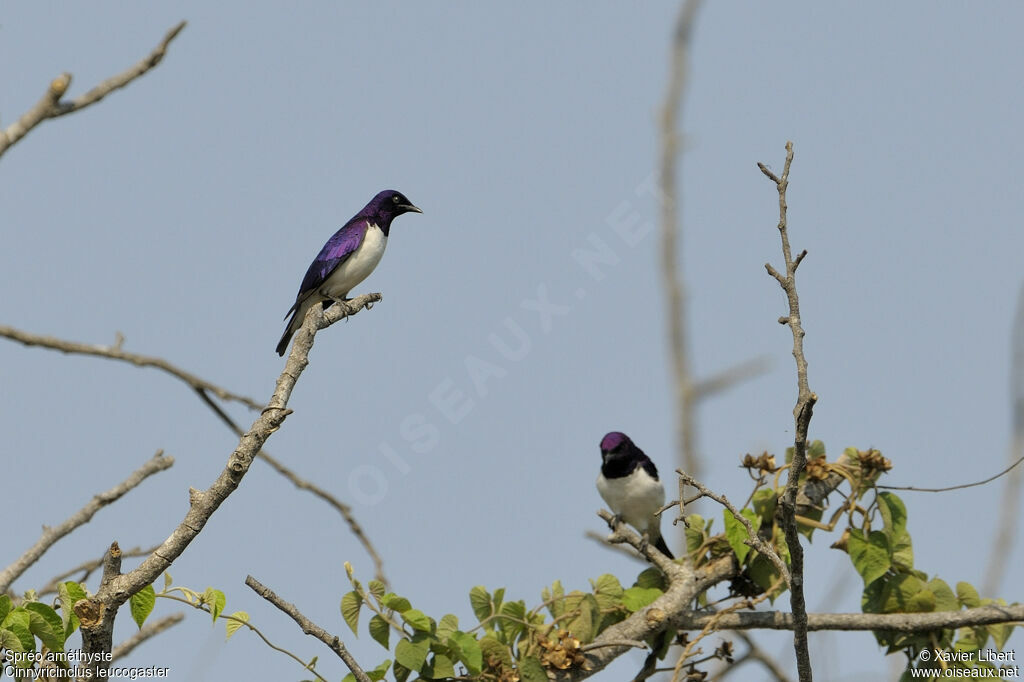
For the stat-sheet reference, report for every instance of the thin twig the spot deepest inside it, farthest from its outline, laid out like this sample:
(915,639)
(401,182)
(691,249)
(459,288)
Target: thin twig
(802,413)
(955,487)
(753,539)
(155,464)
(675,296)
(303,484)
(115,353)
(145,632)
(309,627)
(51,106)
(86,568)
(243,622)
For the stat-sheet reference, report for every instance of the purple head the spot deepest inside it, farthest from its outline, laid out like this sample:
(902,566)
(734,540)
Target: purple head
(388,205)
(614,441)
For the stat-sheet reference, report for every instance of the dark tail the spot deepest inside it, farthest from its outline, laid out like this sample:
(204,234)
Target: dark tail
(662,547)
(282,345)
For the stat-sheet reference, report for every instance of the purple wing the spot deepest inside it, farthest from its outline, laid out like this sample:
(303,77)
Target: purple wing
(337,249)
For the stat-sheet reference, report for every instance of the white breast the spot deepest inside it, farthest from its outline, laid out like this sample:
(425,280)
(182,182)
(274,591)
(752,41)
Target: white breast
(635,498)
(357,266)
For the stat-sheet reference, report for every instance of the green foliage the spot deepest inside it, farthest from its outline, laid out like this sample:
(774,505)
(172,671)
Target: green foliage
(142,603)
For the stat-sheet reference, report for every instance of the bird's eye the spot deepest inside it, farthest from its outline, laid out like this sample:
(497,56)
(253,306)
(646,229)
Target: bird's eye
(395,198)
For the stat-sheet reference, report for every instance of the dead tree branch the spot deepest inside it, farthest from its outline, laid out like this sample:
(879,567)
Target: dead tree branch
(309,627)
(97,613)
(51,105)
(155,464)
(802,416)
(675,296)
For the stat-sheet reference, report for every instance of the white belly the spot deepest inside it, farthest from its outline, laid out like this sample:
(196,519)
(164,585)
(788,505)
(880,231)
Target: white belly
(635,498)
(357,266)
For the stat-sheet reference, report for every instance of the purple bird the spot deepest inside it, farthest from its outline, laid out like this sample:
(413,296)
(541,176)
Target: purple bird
(629,484)
(346,259)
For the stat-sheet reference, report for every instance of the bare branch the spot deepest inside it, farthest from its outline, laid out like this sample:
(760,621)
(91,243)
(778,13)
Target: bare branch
(621,533)
(146,632)
(802,415)
(86,568)
(309,627)
(50,536)
(203,389)
(675,297)
(303,484)
(97,612)
(753,539)
(893,622)
(726,379)
(955,487)
(51,106)
(115,353)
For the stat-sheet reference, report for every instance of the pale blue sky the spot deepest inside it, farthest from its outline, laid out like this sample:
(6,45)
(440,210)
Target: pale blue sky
(184,210)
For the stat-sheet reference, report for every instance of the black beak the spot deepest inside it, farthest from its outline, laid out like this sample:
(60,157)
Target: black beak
(410,207)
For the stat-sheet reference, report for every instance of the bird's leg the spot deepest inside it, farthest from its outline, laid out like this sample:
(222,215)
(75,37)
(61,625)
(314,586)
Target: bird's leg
(645,541)
(341,304)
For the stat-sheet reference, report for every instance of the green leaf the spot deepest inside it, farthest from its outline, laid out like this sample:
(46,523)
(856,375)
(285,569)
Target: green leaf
(584,625)
(378,590)
(945,600)
(45,624)
(651,577)
(870,556)
(17,624)
(5,606)
(894,513)
(216,600)
(142,603)
(379,672)
(512,619)
(69,593)
(493,650)
(470,652)
(395,603)
(608,592)
(636,598)
(417,620)
(440,667)
(607,584)
(168,580)
(1000,632)
(448,625)
(412,654)
(235,621)
(480,600)
(695,535)
(401,672)
(499,597)
(351,603)
(967,595)
(380,630)
(531,670)
(554,598)
(736,532)
(903,594)
(764,502)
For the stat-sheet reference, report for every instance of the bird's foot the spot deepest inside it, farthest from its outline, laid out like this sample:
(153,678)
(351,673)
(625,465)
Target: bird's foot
(645,543)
